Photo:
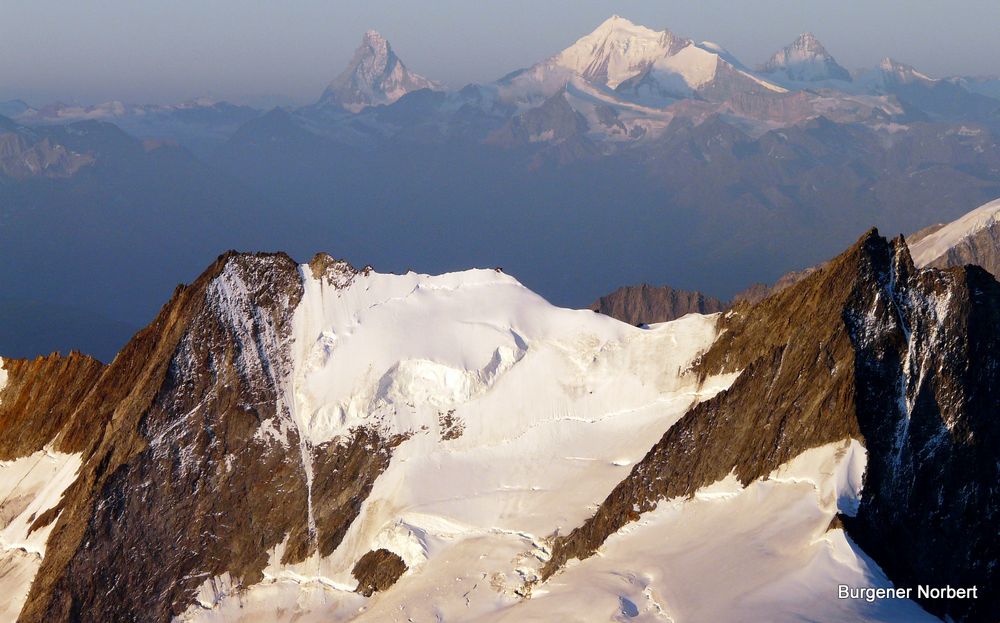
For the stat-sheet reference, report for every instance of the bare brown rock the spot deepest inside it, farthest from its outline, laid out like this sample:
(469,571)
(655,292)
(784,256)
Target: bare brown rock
(377,571)
(646,304)
(451,426)
(759,291)
(23,156)
(38,402)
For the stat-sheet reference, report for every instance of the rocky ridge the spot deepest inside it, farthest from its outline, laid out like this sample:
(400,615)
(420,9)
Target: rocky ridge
(909,363)
(646,304)
(806,60)
(167,426)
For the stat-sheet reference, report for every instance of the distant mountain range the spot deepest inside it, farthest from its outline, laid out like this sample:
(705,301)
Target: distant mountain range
(639,77)
(634,155)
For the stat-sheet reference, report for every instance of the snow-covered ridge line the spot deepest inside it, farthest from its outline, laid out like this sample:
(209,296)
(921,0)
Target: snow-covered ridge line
(520,416)
(933,246)
(620,55)
(383,350)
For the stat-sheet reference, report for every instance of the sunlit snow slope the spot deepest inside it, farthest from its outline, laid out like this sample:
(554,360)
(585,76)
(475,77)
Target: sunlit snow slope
(520,418)
(29,486)
(937,244)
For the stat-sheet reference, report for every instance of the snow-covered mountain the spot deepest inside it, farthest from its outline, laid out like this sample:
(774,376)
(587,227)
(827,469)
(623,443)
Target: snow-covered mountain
(317,442)
(891,72)
(628,81)
(936,98)
(616,51)
(971,239)
(805,60)
(638,64)
(374,76)
(705,70)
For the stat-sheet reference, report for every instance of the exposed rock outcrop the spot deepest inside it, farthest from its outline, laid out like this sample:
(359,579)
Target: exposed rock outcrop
(378,570)
(25,156)
(759,291)
(38,404)
(196,464)
(646,304)
(869,348)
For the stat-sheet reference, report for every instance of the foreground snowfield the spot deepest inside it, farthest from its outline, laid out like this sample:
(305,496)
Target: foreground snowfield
(521,418)
(29,486)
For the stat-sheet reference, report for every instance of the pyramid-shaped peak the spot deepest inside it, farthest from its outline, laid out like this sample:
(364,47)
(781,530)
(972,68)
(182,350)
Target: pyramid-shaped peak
(895,71)
(806,60)
(374,76)
(890,64)
(374,40)
(808,41)
(617,50)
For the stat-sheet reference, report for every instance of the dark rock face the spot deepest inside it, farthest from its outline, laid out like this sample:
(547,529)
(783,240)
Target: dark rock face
(179,483)
(646,304)
(378,570)
(928,397)
(869,348)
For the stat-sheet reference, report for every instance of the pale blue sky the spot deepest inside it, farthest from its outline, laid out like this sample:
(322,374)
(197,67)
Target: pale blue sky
(160,50)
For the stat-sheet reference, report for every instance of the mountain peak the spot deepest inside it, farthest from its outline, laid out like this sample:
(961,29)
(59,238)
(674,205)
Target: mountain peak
(808,41)
(617,22)
(901,73)
(374,76)
(375,37)
(617,50)
(806,60)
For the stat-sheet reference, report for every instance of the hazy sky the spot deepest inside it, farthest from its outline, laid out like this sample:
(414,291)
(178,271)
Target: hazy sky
(160,50)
